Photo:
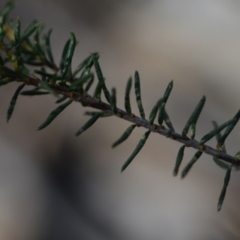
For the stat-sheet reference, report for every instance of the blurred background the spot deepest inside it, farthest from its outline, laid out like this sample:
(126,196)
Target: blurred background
(55,186)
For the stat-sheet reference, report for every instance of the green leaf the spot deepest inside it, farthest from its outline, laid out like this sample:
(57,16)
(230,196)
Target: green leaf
(125,135)
(78,83)
(5,80)
(179,160)
(54,114)
(100,77)
(228,130)
(29,30)
(3,17)
(138,94)
(224,189)
(64,53)
(114,101)
(45,74)
(37,46)
(136,151)
(220,163)
(164,101)
(153,113)
(13,101)
(168,121)
(89,84)
(98,91)
(212,133)
(218,137)
(69,56)
(33,92)
(193,118)
(6,10)
(48,46)
(83,64)
(191,163)
(88,124)
(127,96)
(48,88)
(17,34)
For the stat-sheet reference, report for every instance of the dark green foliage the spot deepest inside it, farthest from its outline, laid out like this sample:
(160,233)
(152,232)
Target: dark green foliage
(77,85)
(223,149)
(34,92)
(191,163)
(138,94)
(136,151)
(88,62)
(179,160)
(3,17)
(26,57)
(212,133)
(48,46)
(153,113)
(125,135)
(64,54)
(220,163)
(98,91)
(88,124)
(69,55)
(114,101)
(228,130)
(54,114)
(18,44)
(89,84)
(168,121)
(224,189)
(100,77)
(127,96)
(192,121)
(30,30)
(13,101)
(164,101)
(48,88)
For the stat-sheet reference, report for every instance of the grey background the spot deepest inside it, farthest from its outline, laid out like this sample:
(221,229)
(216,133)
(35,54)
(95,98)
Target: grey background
(56,186)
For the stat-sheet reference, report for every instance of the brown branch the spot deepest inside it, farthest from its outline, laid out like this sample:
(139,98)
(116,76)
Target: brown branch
(88,101)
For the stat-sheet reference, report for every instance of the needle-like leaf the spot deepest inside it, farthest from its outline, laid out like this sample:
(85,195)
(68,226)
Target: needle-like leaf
(54,114)
(13,101)
(164,101)
(136,151)
(88,124)
(100,77)
(228,130)
(193,118)
(179,160)
(138,94)
(212,133)
(191,163)
(127,96)
(224,189)
(69,56)
(153,113)
(125,135)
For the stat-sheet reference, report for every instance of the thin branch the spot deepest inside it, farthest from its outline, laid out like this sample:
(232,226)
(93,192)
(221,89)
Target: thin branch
(89,101)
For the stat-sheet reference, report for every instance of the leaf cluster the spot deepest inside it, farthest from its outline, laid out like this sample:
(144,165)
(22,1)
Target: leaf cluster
(26,57)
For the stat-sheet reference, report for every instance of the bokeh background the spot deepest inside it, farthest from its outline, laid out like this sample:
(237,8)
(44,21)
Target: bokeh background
(55,186)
